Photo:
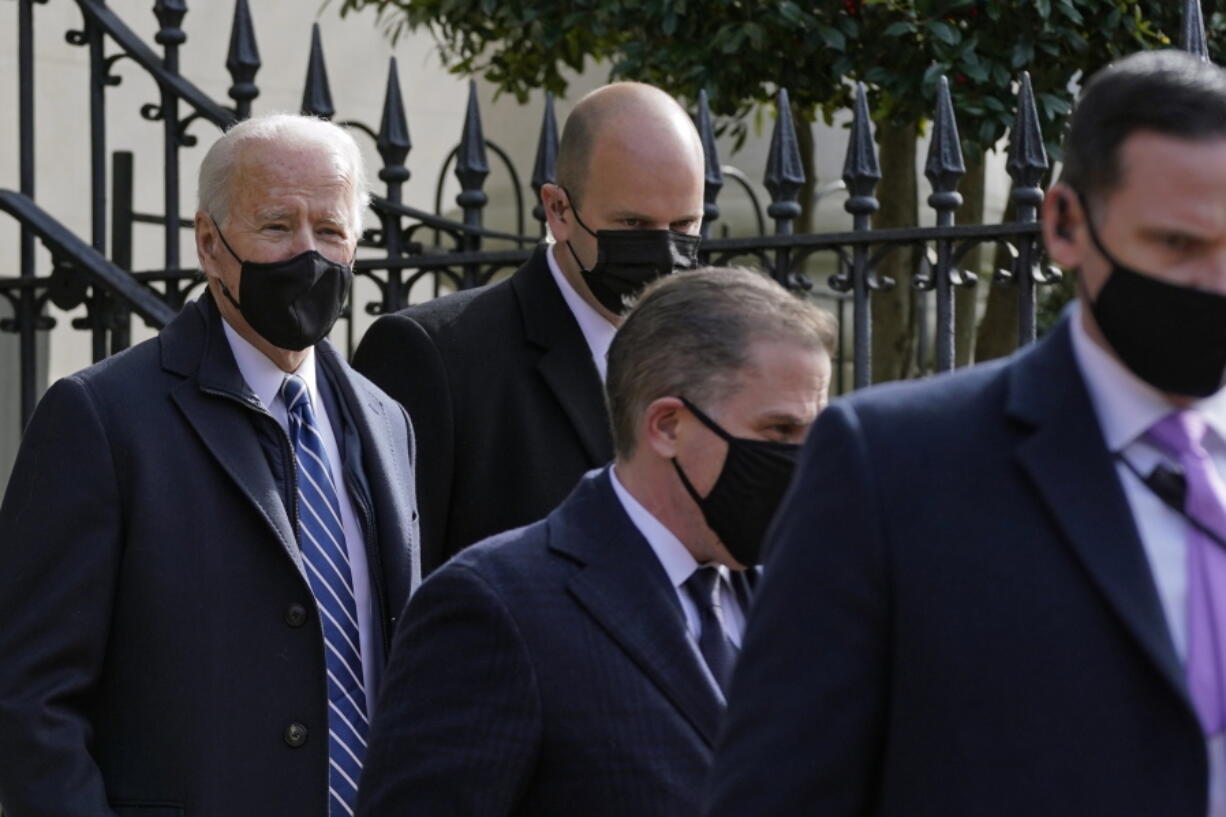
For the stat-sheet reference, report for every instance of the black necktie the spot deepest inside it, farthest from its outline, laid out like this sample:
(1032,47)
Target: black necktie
(717,650)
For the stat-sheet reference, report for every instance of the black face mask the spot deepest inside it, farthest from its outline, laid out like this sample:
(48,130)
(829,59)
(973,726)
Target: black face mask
(292,304)
(628,260)
(747,492)
(1172,337)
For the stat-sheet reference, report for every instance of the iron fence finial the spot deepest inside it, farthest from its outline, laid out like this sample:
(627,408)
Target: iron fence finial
(471,166)
(393,140)
(170,14)
(1194,30)
(785,172)
(317,95)
(713,176)
(945,167)
(860,169)
(1027,161)
(243,60)
(544,168)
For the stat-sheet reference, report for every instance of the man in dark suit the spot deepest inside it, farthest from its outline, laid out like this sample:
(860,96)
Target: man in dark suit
(506,380)
(206,539)
(984,593)
(576,666)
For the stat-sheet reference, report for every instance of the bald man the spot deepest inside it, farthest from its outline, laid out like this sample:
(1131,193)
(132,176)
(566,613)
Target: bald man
(504,382)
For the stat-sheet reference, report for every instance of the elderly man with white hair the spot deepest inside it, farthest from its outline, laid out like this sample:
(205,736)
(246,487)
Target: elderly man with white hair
(206,539)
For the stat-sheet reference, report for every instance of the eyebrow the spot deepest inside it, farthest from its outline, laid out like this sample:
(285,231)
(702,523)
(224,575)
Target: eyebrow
(781,418)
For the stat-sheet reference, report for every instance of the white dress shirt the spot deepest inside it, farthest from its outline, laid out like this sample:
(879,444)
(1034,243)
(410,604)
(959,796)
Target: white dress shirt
(264,378)
(680,565)
(597,331)
(1126,407)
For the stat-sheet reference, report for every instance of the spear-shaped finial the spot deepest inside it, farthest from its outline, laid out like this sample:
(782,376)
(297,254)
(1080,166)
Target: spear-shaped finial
(393,140)
(1194,30)
(317,96)
(545,168)
(243,60)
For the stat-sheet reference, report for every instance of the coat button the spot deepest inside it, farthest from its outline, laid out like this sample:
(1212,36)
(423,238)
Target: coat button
(295,735)
(295,615)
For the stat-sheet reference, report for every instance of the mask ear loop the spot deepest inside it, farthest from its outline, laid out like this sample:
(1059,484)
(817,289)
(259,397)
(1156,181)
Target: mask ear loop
(699,500)
(1094,237)
(224,289)
(570,202)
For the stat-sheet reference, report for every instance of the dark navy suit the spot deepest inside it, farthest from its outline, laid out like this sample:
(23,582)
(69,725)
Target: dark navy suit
(546,671)
(157,635)
(958,618)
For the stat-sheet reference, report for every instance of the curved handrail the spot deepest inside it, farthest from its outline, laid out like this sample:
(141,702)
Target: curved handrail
(64,243)
(135,47)
(441,223)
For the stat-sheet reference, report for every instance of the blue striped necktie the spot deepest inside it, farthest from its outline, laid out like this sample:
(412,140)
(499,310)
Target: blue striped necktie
(322,540)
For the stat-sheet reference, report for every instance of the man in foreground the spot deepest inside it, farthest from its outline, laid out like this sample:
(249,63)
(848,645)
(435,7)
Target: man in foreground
(507,378)
(577,665)
(1003,591)
(205,539)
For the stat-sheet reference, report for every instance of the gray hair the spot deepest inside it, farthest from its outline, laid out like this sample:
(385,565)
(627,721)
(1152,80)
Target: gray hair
(690,333)
(214,189)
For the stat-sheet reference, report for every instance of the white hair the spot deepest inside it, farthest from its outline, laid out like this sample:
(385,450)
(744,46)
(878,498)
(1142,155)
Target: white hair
(286,129)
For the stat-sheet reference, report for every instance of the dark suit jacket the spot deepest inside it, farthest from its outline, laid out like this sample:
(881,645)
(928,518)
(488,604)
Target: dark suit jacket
(546,671)
(509,407)
(148,569)
(958,618)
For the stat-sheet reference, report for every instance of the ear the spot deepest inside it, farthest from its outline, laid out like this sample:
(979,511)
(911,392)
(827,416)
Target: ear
(1063,221)
(208,245)
(658,427)
(556,204)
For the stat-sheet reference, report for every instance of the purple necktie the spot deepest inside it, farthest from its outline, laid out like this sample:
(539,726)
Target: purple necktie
(1181,434)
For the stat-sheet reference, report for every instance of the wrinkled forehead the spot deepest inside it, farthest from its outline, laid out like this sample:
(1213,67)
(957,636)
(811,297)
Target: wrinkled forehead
(269,171)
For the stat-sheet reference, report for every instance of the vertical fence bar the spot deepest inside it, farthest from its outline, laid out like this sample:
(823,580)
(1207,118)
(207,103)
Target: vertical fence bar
(712,176)
(861,174)
(394,145)
(26,316)
(471,168)
(121,239)
(1026,165)
(170,15)
(944,169)
(544,167)
(104,312)
(785,176)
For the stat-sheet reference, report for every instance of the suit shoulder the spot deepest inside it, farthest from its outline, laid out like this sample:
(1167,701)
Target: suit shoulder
(467,310)
(939,397)
(509,557)
(122,375)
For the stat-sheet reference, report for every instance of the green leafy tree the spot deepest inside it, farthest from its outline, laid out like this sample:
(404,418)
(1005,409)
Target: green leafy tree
(742,51)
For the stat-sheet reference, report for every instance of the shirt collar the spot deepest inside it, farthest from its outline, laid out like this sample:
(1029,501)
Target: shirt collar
(597,331)
(262,375)
(677,561)
(1126,405)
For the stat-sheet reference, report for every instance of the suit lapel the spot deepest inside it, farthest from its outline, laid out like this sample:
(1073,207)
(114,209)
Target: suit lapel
(625,589)
(566,360)
(216,403)
(388,475)
(1070,467)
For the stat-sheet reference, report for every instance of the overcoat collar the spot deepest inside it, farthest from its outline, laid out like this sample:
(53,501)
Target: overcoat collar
(566,361)
(622,585)
(213,397)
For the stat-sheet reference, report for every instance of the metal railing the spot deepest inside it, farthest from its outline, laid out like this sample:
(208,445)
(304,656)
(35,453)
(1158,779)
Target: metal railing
(411,244)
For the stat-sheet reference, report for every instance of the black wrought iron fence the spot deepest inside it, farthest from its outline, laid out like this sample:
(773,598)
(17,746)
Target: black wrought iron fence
(412,244)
